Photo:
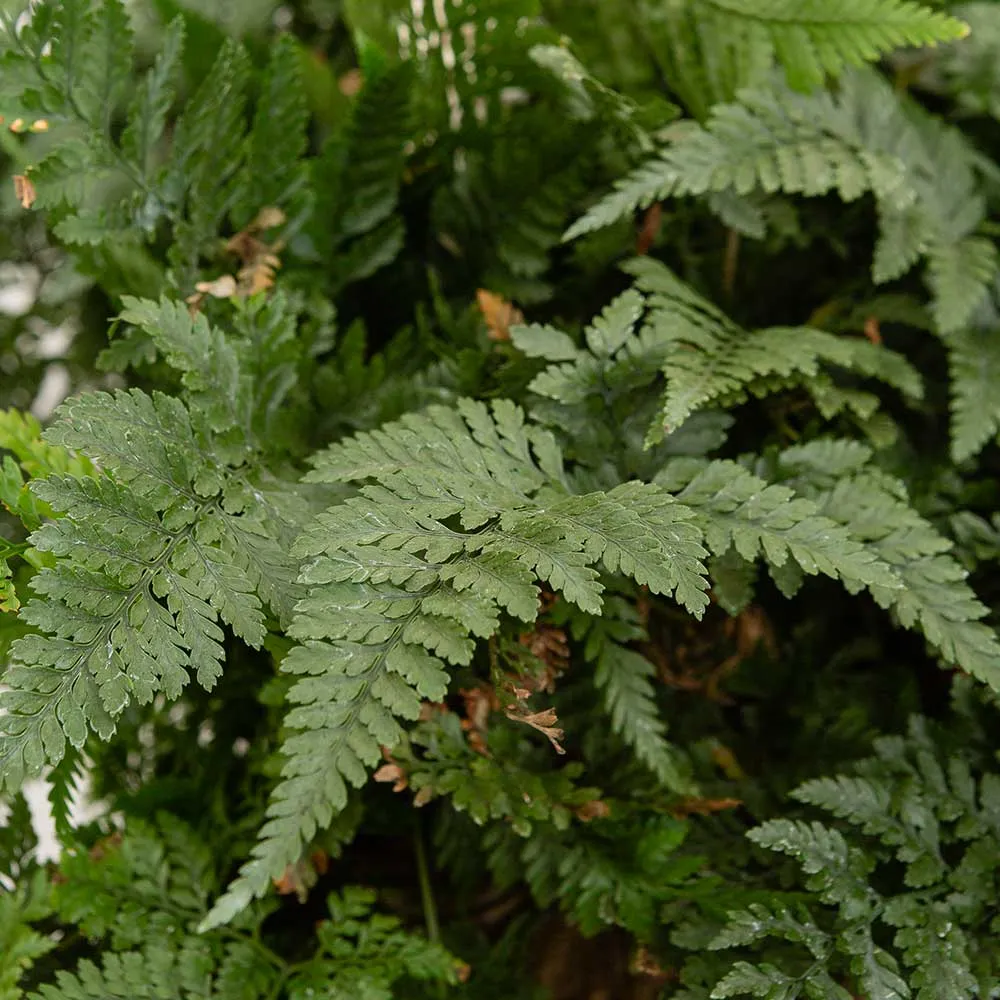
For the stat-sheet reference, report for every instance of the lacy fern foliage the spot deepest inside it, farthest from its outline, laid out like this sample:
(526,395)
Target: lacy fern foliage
(393,568)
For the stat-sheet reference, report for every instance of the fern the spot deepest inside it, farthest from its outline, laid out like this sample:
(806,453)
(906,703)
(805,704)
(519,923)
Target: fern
(395,602)
(767,140)
(611,873)
(20,944)
(359,175)
(522,585)
(906,800)
(865,138)
(435,760)
(811,41)
(973,365)
(708,358)
(175,515)
(935,595)
(625,679)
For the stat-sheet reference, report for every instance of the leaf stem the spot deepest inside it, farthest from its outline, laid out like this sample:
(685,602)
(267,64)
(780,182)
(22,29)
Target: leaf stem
(426,889)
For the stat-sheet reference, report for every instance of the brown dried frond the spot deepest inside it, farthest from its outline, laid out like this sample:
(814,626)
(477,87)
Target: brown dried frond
(544,721)
(550,645)
(478,703)
(394,773)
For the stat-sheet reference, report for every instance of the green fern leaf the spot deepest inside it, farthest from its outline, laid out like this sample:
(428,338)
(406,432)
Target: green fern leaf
(207,155)
(154,96)
(707,357)
(625,677)
(812,40)
(735,508)
(934,595)
(759,921)
(770,141)
(174,973)
(959,275)
(20,944)
(974,367)
(358,176)
(391,602)
(837,872)
(159,528)
(275,172)
(935,949)
(768,981)
(216,388)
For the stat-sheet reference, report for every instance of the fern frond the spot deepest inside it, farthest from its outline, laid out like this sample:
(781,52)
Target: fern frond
(935,596)
(812,40)
(147,117)
(706,357)
(612,873)
(159,528)
(204,171)
(208,364)
(437,760)
(974,368)
(152,882)
(276,172)
(397,593)
(837,872)
(174,972)
(769,140)
(358,176)
(21,945)
(625,678)
(736,508)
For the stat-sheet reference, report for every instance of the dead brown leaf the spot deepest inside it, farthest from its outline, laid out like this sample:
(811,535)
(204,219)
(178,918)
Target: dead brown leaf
(703,807)
(651,222)
(351,82)
(499,314)
(550,645)
(595,809)
(544,721)
(872,331)
(394,773)
(24,190)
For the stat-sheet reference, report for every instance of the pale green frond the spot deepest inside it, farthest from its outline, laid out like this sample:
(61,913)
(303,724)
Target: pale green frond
(811,39)
(768,141)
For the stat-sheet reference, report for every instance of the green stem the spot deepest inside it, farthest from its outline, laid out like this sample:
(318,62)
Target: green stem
(426,890)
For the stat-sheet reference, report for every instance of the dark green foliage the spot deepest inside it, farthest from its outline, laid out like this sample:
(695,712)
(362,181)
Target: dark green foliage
(474,520)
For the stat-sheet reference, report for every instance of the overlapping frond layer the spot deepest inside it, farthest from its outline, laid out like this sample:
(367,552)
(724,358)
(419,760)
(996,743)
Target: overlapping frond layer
(910,807)
(464,509)
(935,596)
(707,358)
